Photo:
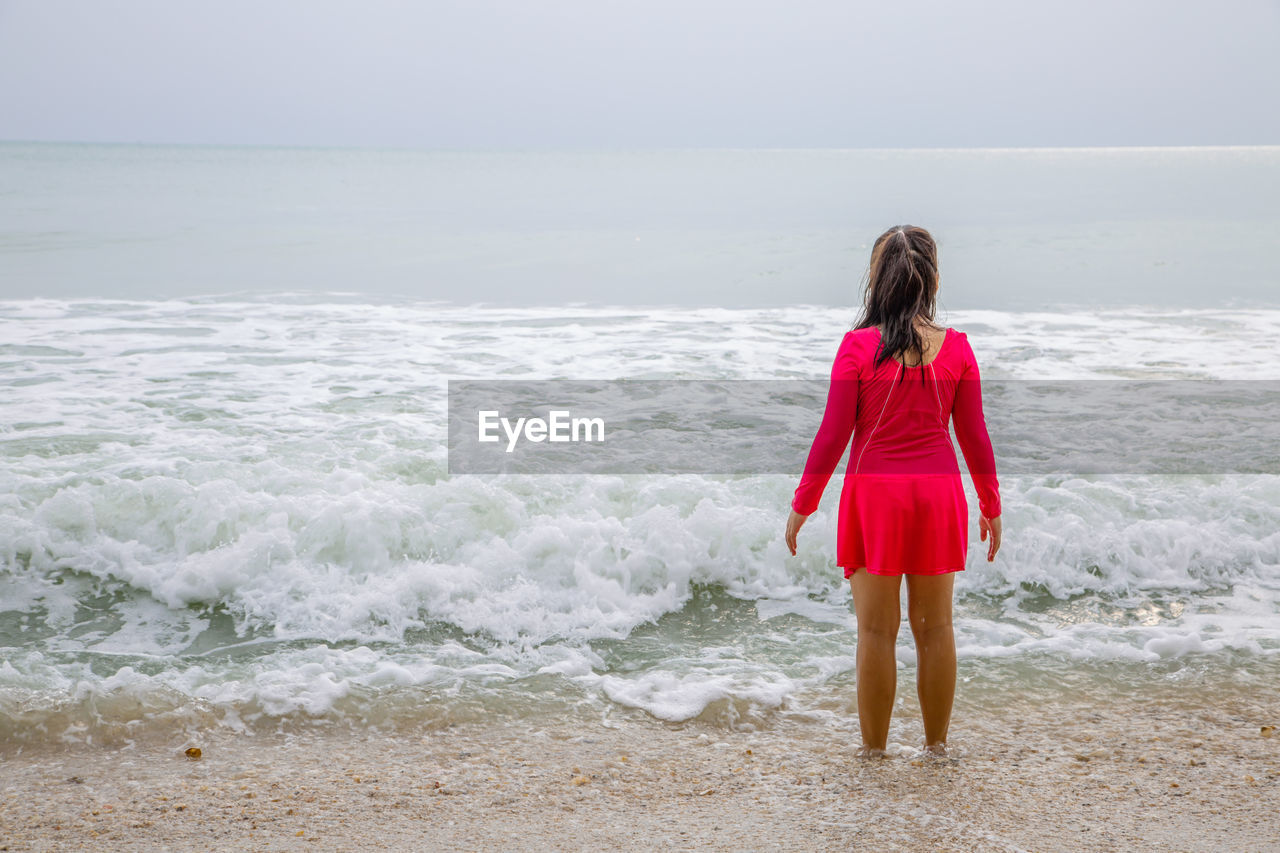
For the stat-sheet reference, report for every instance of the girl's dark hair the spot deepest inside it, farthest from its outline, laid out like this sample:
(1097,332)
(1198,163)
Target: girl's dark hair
(902,284)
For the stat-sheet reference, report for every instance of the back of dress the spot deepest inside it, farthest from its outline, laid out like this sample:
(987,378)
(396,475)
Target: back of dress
(902,507)
(903,412)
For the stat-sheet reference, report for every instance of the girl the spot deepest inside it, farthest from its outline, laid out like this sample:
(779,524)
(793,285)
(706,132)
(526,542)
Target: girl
(897,380)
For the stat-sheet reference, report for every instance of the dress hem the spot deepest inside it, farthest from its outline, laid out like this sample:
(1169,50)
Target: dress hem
(848,571)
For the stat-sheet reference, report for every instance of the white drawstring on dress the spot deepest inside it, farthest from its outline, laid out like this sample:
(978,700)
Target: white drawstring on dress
(872,436)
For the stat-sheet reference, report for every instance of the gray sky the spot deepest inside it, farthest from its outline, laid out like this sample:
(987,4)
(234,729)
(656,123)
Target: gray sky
(642,73)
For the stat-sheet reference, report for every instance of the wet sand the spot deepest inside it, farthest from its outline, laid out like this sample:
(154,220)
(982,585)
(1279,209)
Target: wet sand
(1079,775)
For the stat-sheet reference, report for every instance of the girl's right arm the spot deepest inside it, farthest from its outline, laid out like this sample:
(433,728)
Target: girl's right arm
(971,431)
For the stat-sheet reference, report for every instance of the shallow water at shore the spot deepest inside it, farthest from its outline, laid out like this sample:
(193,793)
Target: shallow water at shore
(239,514)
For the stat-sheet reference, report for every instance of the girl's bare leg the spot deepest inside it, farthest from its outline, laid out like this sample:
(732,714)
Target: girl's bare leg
(929,609)
(875,603)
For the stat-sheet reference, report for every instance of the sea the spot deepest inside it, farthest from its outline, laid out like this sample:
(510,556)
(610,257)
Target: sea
(225,493)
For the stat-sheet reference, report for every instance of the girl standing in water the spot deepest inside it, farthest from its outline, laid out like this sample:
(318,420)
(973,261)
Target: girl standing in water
(897,380)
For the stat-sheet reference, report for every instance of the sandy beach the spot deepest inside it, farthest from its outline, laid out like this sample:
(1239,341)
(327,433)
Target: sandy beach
(1070,776)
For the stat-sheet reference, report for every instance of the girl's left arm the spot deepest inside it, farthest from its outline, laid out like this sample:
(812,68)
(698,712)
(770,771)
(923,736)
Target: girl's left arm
(833,435)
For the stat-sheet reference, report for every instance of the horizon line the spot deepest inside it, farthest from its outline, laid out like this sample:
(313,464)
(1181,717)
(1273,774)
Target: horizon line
(628,149)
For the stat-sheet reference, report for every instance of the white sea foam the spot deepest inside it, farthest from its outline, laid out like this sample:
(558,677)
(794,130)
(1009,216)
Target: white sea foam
(246,506)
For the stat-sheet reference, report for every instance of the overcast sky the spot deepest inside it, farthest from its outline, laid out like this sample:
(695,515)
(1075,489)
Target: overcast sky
(642,73)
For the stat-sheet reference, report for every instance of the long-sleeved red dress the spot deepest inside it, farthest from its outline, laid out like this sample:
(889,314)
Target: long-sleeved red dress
(902,508)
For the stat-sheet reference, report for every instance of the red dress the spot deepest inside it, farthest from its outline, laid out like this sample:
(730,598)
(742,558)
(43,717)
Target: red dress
(902,508)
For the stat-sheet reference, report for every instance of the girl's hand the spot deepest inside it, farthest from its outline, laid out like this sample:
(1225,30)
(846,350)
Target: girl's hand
(794,523)
(992,526)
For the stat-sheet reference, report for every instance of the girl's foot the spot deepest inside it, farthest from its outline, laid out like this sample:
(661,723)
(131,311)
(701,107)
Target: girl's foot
(871,752)
(936,749)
